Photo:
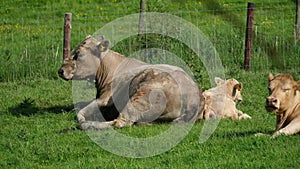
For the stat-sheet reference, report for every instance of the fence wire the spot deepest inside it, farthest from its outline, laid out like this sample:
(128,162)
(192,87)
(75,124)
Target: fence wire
(31,32)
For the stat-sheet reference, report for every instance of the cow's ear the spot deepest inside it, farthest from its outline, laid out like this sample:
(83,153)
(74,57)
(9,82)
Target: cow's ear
(219,81)
(100,38)
(104,46)
(88,36)
(271,77)
(237,87)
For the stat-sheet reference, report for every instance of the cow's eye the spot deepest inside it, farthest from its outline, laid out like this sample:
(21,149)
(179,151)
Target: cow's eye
(286,90)
(75,57)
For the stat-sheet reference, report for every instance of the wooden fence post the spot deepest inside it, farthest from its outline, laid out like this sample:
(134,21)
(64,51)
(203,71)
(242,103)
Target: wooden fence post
(250,18)
(142,18)
(67,35)
(297,22)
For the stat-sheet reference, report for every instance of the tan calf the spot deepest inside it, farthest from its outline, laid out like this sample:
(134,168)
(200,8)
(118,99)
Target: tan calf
(220,101)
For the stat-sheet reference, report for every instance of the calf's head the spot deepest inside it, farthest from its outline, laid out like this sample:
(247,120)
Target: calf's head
(84,60)
(233,88)
(282,93)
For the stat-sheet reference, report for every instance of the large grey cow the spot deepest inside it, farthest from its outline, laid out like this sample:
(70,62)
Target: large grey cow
(130,91)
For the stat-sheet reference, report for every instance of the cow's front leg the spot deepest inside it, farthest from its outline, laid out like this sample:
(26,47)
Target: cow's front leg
(87,111)
(144,106)
(292,128)
(91,117)
(91,109)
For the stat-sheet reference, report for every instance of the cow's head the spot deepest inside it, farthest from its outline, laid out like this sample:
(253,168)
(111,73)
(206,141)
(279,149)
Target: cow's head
(233,88)
(282,91)
(84,60)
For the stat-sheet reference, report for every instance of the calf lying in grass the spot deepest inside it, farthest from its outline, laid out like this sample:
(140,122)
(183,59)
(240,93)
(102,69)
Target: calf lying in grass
(221,101)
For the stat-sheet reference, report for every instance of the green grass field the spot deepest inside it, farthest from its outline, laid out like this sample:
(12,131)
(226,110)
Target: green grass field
(33,99)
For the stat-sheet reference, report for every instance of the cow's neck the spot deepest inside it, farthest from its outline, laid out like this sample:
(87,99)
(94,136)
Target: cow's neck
(283,118)
(108,64)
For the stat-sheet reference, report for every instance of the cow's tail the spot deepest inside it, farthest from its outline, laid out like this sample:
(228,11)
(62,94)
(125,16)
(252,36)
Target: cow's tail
(193,109)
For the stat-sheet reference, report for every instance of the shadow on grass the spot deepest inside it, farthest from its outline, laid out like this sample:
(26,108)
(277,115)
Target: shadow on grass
(28,108)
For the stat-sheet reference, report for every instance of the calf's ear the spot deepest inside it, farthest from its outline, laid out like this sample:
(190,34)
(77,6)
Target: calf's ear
(104,46)
(219,81)
(271,77)
(236,87)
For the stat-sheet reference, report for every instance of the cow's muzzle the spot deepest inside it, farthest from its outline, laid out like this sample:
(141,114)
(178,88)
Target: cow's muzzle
(272,104)
(61,73)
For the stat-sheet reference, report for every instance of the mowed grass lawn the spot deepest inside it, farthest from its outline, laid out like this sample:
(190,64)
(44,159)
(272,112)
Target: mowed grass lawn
(32,115)
(34,101)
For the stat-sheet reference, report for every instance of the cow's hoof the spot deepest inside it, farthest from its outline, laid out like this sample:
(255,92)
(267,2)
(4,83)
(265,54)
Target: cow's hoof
(80,118)
(245,116)
(278,133)
(120,123)
(82,126)
(87,126)
(260,134)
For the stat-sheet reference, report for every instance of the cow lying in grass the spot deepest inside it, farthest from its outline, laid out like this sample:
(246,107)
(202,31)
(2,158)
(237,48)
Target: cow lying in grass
(130,91)
(284,101)
(220,101)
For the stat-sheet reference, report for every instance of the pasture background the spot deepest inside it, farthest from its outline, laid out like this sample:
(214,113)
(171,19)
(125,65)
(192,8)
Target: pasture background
(33,99)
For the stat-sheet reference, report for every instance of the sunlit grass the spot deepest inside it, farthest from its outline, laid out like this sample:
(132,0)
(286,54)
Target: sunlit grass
(33,100)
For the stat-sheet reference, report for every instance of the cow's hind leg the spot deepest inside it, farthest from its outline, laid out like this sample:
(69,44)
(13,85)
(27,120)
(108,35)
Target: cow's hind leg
(186,115)
(92,111)
(190,113)
(145,106)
